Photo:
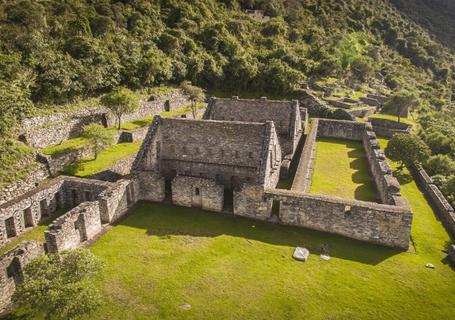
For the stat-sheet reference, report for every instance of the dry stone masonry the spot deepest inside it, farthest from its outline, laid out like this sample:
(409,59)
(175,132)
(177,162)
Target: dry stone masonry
(231,163)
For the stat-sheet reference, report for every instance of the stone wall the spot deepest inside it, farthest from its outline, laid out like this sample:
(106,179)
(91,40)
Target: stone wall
(342,129)
(74,227)
(43,131)
(25,212)
(376,223)
(249,202)
(115,201)
(387,185)
(286,116)
(12,264)
(17,188)
(437,200)
(303,175)
(229,152)
(388,128)
(197,192)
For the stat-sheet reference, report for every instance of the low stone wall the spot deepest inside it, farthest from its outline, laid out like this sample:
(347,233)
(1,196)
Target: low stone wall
(84,222)
(376,223)
(303,175)
(342,129)
(25,212)
(73,228)
(118,170)
(437,200)
(115,201)
(12,264)
(388,128)
(370,101)
(387,185)
(249,202)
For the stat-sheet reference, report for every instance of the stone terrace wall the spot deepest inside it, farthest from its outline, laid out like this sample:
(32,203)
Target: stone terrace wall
(19,187)
(12,264)
(43,131)
(342,129)
(388,128)
(376,223)
(303,175)
(438,201)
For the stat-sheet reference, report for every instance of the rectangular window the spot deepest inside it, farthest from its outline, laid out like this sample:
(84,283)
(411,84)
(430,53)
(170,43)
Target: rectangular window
(237,154)
(10,227)
(43,207)
(250,155)
(197,191)
(222,152)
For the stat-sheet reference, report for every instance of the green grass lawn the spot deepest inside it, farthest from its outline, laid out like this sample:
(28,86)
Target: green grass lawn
(35,234)
(65,146)
(393,118)
(160,257)
(341,169)
(105,160)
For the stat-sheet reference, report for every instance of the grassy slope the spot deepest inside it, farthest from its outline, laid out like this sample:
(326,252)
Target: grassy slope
(35,234)
(393,118)
(341,169)
(105,159)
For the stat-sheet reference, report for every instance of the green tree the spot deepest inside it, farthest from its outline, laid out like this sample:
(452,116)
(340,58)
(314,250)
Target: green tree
(440,164)
(195,94)
(60,286)
(99,138)
(408,149)
(120,102)
(400,102)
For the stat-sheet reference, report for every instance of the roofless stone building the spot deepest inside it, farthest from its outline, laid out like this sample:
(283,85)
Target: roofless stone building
(215,165)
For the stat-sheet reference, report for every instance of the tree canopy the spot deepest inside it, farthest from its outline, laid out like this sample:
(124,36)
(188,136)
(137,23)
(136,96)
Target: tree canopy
(60,286)
(120,102)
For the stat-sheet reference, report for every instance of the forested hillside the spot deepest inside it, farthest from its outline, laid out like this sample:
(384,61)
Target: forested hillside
(56,52)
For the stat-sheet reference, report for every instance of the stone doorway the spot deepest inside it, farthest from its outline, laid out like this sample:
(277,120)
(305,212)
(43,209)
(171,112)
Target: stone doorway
(196,198)
(28,217)
(228,201)
(167,106)
(43,208)
(168,190)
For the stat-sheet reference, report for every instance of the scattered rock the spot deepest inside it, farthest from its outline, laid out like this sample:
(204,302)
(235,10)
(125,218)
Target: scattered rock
(325,257)
(253,226)
(185,306)
(429,266)
(301,254)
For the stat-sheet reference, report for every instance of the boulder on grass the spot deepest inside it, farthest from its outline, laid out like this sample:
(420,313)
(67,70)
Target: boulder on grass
(452,253)
(301,254)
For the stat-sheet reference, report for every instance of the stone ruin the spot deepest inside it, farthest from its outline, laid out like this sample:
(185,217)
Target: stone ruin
(288,118)
(219,165)
(90,206)
(228,162)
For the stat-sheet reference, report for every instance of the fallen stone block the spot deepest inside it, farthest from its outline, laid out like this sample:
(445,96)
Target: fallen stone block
(301,254)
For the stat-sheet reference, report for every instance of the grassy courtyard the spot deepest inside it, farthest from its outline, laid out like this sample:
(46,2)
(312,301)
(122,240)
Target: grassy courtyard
(341,169)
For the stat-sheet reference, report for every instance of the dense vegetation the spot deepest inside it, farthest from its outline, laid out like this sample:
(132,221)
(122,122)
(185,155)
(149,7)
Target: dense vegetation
(60,51)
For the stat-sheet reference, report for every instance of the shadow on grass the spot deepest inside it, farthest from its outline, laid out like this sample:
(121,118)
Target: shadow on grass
(166,220)
(404,177)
